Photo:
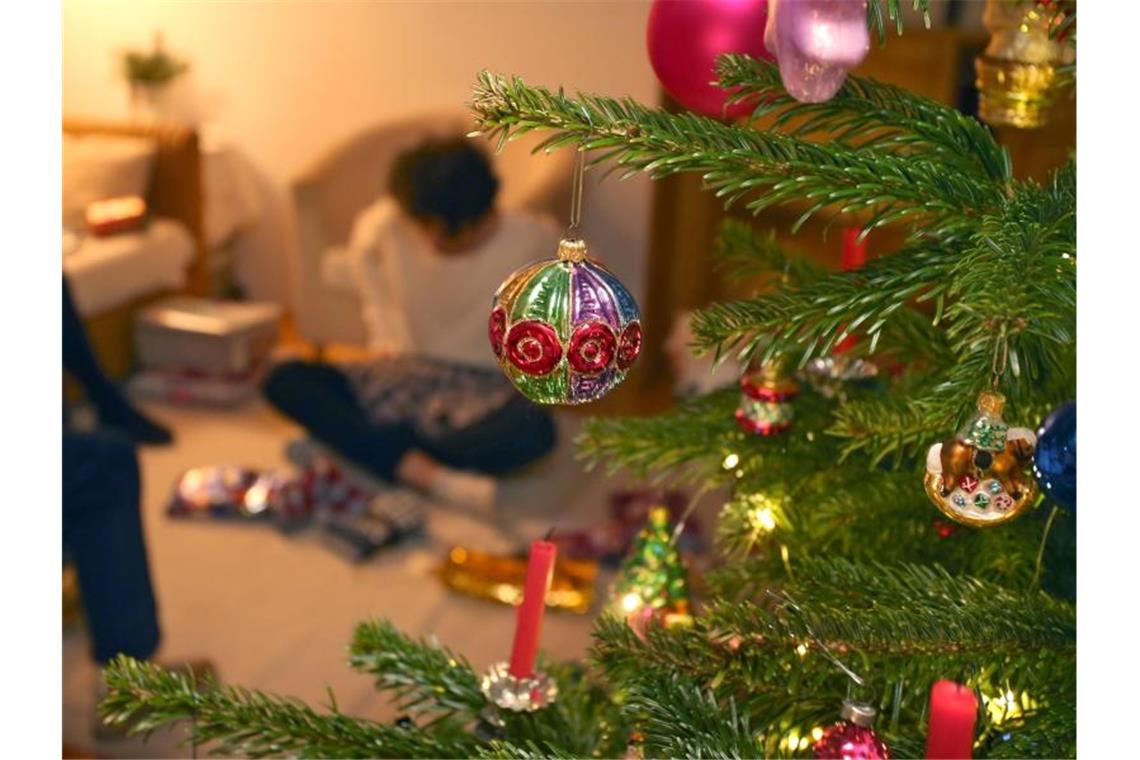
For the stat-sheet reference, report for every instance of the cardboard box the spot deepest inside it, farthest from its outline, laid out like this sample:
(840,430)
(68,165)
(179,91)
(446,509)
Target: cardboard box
(216,338)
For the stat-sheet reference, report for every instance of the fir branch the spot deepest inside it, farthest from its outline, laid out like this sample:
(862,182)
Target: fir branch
(426,679)
(822,314)
(142,696)
(908,612)
(499,749)
(900,627)
(741,250)
(870,115)
(686,444)
(1046,733)
(709,727)
(767,168)
(584,721)
(876,21)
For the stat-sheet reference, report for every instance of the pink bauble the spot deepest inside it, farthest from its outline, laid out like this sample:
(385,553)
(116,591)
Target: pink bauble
(686,36)
(816,43)
(846,741)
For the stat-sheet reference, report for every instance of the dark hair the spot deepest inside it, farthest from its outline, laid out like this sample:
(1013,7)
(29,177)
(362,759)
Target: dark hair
(448,180)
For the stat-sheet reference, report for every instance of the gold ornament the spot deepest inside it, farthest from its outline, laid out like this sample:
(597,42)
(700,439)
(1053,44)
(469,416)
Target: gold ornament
(980,476)
(1017,76)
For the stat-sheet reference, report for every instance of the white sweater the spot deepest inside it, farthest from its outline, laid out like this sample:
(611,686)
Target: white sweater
(418,300)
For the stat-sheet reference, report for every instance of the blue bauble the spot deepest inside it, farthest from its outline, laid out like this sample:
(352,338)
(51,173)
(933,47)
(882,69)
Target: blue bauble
(1055,463)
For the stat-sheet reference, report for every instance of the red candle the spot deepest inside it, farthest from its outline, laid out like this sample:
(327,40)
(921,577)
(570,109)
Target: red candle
(854,256)
(539,570)
(953,710)
(854,253)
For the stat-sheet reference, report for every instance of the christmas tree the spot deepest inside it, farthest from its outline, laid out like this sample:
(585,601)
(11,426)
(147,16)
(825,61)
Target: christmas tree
(653,574)
(839,578)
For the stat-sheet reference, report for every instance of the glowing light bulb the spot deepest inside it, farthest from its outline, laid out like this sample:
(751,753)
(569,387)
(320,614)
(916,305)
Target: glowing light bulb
(730,461)
(1008,706)
(763,519)
(631,602)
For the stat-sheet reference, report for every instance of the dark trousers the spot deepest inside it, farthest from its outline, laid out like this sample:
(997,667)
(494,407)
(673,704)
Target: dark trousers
(102,533)
(321,399)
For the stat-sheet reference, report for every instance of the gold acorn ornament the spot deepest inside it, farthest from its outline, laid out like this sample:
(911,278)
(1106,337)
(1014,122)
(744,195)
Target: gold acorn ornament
(981,476)
(1019,73)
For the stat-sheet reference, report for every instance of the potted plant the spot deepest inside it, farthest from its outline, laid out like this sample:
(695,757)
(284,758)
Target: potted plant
(148,73)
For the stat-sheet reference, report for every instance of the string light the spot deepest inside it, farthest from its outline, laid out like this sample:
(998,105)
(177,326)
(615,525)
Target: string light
(794,741)
(762,514)
(1008,706)
(631,602)
(763,519)
(730,461)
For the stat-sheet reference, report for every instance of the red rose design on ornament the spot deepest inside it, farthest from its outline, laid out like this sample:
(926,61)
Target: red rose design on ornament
(629,346)
(591,348)
(533,347)
(497,329)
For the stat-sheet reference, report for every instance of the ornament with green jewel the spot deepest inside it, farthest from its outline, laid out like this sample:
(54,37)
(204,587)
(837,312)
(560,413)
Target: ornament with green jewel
(652,579)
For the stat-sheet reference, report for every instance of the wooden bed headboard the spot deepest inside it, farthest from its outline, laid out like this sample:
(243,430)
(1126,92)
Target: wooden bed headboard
(176,184)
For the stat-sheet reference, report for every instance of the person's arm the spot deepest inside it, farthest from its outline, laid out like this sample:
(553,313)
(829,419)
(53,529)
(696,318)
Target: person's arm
(376,280)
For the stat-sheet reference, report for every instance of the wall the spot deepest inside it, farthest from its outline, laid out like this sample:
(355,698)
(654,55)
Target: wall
(286,80)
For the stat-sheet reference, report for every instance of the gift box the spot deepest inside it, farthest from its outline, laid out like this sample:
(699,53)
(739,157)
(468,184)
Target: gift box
(218,338)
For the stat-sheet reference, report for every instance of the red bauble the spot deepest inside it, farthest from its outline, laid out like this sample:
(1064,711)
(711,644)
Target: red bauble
(846,741)
(591,348)
(629,345)
(497,329)
(685,37)
(533,347)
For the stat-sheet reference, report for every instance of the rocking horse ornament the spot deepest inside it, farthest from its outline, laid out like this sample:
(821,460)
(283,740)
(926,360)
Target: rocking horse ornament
(980,477)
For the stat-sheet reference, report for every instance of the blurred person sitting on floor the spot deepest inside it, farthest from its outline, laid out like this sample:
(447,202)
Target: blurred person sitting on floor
(432,410)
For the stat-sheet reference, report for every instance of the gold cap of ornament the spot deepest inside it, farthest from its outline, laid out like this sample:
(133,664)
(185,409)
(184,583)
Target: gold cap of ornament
(859,713)
(572,250)
(991,403)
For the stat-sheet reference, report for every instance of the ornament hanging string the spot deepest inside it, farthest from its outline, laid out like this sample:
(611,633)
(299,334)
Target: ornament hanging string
(680,527)
(576,194)
(823,648)
(1033,585)
(1000,359)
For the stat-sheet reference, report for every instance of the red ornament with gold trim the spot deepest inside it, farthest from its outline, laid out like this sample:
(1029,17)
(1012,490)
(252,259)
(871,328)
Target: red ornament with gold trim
(766,401)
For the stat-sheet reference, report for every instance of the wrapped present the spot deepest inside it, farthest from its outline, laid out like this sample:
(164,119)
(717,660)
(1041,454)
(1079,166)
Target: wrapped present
(108,217)
(225,491)
(500,578)
(389,518)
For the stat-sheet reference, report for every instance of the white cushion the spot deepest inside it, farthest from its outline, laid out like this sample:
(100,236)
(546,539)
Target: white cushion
(107,272)
(97,167)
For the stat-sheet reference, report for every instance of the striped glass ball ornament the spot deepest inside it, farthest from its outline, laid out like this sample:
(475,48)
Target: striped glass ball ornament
(565,330)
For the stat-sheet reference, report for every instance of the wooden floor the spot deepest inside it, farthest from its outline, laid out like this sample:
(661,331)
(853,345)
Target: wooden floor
(276,612)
